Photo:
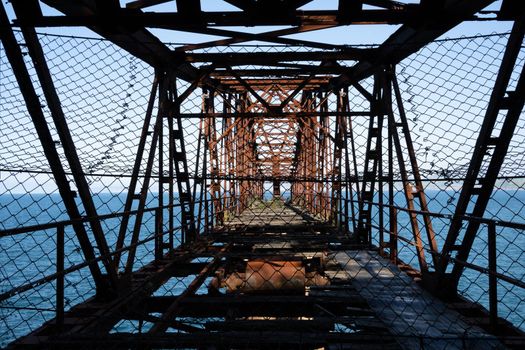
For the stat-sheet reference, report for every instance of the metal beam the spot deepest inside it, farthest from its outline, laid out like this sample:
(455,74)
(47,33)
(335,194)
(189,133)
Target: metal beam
(128,35)
(408,39)
(14,55)
(68,145)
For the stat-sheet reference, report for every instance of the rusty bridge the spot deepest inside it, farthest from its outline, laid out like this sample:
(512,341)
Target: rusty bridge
(218,175)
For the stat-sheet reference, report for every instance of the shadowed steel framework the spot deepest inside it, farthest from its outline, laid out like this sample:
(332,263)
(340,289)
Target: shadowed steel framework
(262,189)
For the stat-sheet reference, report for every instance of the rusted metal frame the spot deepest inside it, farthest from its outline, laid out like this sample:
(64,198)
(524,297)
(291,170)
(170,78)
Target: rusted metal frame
(180,22)
(100,318)
(135,172)
(386,102)
(203,194)
(240,105)
(516,103)
(272,83)
(232,161)
(311,162)
(336,207)
(493,280)
(296,188)
(349,138)
(321,101)
(372,158)
(180,163)
(230,41)
(389,4)
(34,108)
(258,97)
(484,142)
(265,58)
(344,215)
(407,187)
(68,145)
(228,156)
(251,115)
(363,91)
(420,190)
(204,74)
(59,315)
(197,179)
(249,159)
(76,267)
(163,324)
(227,102)
(254,7)
(392,212)
(261,37)
(159,214)
(147,176)
(229,126)
(140,4)
(171,190)
(308,154)
(294,93)
(324,158)
(212,145)
(137,41)
(300,72)
(410,38)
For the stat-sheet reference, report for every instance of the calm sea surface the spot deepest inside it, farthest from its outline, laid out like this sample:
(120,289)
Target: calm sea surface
(28,257)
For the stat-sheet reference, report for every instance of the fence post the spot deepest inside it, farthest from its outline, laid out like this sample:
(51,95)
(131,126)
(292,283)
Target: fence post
(493,282)
(393,235)
(60,279)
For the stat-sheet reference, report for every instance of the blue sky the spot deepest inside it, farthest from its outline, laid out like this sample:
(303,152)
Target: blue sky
(357,34)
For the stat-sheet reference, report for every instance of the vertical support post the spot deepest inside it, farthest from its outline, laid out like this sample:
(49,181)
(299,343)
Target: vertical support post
(393,235)
(408,188)
(59,318)
(419,188)
(32,101)
(171,194)
(68,145)
(489,153)
(131,196)
(145,185)
(372,160)
(336,207)
(391,195)
(159,213)
(493,282)
(350,180)
(177,144)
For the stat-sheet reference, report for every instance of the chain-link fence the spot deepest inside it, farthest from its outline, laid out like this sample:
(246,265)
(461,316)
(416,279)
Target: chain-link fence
(278,196)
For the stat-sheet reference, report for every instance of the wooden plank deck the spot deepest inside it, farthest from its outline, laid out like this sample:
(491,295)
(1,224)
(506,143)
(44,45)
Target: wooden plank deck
(407,309)
(272,213)
(360,300)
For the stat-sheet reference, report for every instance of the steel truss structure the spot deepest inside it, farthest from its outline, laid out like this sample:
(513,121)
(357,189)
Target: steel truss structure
(274,179)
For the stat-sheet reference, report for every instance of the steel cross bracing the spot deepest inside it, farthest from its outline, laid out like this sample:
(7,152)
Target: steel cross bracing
(285,128)
(505,105)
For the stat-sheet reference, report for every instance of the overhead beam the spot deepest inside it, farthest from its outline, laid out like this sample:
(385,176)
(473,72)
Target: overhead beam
(412,37)
(137,41)
(238,40)
(242,58)
(242,36)
(179,21)
(282,72)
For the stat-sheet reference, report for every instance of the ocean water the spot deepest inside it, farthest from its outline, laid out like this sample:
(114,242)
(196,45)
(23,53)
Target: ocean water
(30,256)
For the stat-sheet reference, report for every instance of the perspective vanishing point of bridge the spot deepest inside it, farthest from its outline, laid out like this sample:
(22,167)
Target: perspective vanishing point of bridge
(257,186)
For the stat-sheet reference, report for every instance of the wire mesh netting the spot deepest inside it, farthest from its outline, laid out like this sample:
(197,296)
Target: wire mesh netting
(252,179)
